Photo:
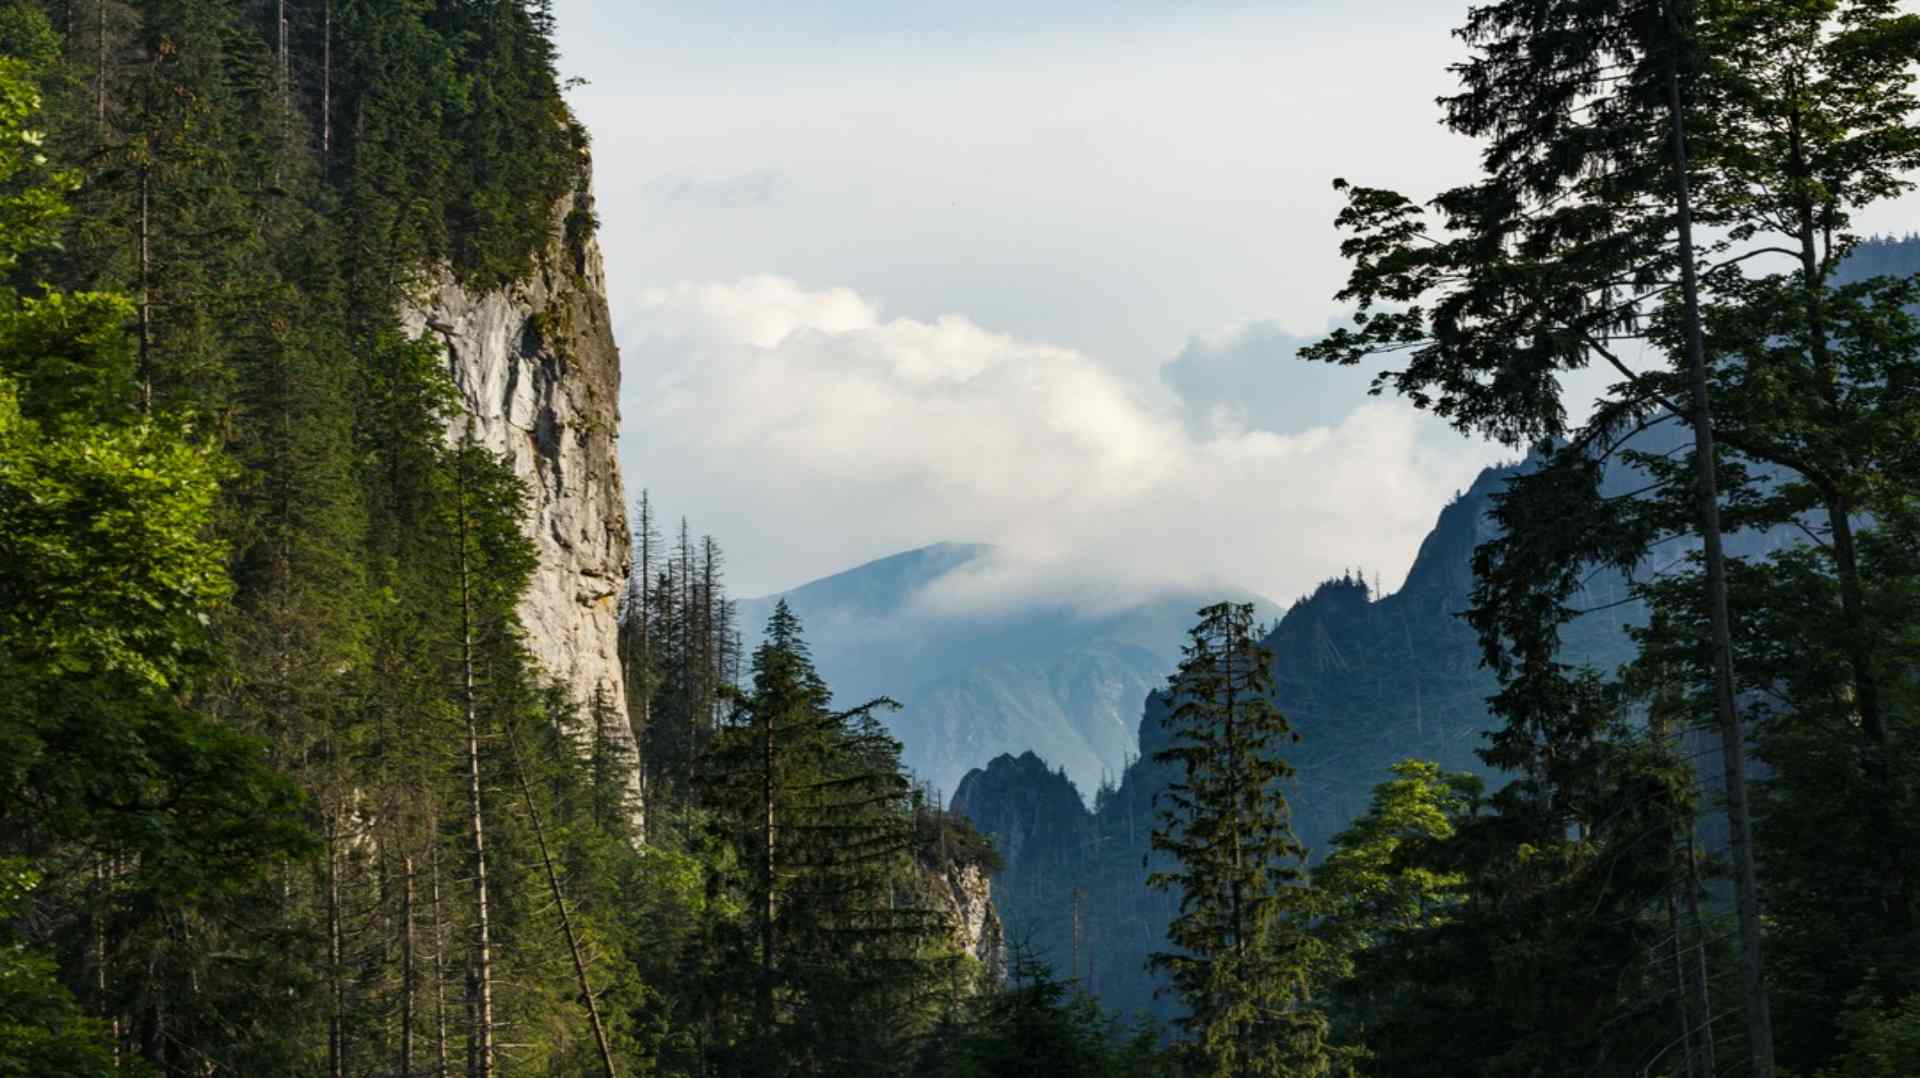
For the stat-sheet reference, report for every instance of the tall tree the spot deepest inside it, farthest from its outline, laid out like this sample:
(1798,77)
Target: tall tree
(488,563)
(637,621)
(814,800)
(1839,788)
(1243,958)
(1581,229)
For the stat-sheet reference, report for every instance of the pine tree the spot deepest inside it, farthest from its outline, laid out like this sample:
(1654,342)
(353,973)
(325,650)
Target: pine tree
(814,801)
(1377,887)
(1243,959)
(640,661)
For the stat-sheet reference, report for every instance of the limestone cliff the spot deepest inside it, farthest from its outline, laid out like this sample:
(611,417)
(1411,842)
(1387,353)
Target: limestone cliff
(538,370)
(962,889)
(954,866)
(967,892)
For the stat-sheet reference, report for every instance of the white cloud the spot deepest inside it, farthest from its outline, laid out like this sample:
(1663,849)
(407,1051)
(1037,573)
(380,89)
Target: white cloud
(799,425)
(1105,179)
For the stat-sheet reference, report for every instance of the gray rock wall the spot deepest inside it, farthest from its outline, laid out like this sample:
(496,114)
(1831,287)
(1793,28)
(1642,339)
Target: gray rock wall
(977,930)
(963,891)
(538,370)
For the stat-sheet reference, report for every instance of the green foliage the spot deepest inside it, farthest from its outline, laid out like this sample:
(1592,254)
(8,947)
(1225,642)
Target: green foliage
(258,618)
(43,1029)
(1375,885)
(1527,944)
(1243,958)
(1880,1041)
(27,35)
(1797,117)
(1035,1026)
(843,961)
(953,839)
(108,579)
(133,802)
(32,191)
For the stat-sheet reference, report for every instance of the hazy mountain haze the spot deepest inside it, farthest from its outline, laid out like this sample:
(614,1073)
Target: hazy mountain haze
(1060,673)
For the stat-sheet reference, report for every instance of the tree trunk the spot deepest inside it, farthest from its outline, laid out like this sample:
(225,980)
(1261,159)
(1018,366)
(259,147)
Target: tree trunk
(146,294)
(1733,739)
(326,83)
(407,960)
(1073,973)
(764,996)
(1233,769)
(439,959)
(336,989)
(560,903)
(103,893)
(1702,1000)
(1681,997)
(1696,1017)
(640,679)
(285,65)
(480,986)
(100,73)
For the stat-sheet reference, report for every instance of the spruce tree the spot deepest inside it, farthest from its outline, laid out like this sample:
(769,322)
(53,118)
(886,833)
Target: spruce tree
(1242,957)
(814,802)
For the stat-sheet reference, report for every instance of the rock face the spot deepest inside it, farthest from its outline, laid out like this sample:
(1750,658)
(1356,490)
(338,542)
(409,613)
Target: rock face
(964,890)
(538,370)
(977,928)
(1032,812)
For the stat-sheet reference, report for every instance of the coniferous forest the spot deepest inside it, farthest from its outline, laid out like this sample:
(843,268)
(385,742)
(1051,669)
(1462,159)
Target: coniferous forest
(312,762)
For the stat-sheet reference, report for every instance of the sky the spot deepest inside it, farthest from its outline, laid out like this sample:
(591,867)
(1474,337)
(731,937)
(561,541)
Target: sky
(885,274)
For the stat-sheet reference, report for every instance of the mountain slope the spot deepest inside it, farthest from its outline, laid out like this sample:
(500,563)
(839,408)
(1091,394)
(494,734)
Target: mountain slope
(1046,676)
(1366,681)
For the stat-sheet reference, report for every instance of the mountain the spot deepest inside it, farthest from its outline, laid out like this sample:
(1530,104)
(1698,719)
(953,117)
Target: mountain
(1365,680)
(1881,256)
(538,378)
(1048,676)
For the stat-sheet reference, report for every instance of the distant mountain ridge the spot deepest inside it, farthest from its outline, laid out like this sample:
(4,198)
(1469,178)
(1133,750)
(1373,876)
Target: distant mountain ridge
(1365,680)
(880,586)
(1043,676)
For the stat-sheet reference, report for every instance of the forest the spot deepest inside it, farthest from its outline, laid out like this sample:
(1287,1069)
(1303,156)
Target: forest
(293,780)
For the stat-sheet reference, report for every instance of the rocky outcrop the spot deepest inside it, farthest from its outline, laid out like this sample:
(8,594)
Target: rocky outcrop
(954,866)
(976,923)
(538,370)
(963,890)
(1031,812)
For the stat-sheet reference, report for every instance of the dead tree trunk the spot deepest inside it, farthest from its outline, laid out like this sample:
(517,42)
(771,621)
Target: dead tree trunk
(326,83)
(408,958)
(560,903)
(480,986)
(439,960)
(336,989)
(764,994)
(146,292)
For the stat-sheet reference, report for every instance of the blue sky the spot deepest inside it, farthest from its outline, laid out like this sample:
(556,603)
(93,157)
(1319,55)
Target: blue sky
(886,274)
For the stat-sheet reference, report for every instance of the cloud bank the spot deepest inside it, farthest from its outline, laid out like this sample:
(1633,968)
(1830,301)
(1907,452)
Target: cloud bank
(797,424)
